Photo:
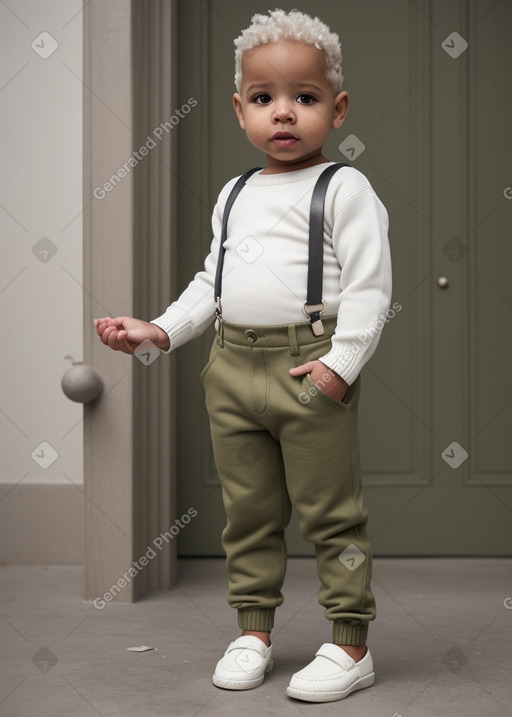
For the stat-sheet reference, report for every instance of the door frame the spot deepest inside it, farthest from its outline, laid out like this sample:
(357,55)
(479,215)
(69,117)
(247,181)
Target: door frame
(129,233)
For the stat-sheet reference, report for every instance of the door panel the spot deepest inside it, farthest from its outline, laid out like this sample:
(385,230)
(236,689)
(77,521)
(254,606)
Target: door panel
(437,388)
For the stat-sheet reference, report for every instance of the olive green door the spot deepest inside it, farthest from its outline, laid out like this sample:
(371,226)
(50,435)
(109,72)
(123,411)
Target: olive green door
(429,125)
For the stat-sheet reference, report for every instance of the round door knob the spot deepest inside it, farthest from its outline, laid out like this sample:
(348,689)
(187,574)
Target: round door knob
(82,383)
(442,282)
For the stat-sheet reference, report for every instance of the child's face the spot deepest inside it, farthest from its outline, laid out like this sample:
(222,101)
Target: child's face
(286,104)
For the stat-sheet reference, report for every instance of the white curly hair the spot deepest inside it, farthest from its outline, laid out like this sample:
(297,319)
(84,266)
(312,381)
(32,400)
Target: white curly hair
(295,25)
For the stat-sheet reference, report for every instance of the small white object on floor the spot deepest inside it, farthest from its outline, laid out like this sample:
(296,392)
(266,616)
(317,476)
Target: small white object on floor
(141,648)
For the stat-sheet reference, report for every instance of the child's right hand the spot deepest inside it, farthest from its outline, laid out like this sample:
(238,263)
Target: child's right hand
(125,333)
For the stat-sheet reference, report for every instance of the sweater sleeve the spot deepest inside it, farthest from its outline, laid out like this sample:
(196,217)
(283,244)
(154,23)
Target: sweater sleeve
(360,241)
(191,314)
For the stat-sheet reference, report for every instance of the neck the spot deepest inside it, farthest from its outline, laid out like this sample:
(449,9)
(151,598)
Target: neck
(275,167)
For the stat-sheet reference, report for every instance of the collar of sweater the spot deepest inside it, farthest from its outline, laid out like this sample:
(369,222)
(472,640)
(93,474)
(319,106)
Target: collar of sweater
(259,180)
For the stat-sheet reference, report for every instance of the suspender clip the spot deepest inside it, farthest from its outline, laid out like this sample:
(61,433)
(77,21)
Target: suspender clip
(218,314)
(313,312)
(219,326)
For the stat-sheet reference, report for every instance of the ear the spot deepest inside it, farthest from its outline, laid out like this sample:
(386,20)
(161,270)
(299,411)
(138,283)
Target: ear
(237,104)
(341,104)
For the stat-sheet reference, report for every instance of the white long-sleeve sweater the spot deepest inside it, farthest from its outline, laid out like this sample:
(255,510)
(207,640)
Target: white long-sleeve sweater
(266,263)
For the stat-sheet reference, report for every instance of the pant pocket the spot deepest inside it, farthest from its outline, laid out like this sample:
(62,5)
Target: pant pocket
(348,402)
(214,352)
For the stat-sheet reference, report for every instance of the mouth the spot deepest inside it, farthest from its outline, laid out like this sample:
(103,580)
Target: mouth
(284,139)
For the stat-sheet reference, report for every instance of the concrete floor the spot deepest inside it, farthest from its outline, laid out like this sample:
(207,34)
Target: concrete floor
(442,644)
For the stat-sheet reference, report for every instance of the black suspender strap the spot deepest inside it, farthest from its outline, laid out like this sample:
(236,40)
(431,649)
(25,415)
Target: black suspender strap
(315,305)
(222,249)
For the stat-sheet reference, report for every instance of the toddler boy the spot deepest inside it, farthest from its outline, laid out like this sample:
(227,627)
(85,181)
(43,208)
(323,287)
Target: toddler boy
(273,383)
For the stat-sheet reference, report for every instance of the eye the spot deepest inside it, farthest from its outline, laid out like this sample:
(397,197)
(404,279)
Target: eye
(305,99)
(262,99)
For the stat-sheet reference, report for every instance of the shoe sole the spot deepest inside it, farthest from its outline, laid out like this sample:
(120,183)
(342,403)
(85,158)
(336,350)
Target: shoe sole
(234,684)
(309,696)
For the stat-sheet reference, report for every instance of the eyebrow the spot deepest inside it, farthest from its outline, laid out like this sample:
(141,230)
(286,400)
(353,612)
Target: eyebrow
(267,86)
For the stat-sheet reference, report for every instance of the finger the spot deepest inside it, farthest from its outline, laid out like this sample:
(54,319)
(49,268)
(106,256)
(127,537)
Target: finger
(305,368)
(119,321)
(109,336)
(101,332)
(127,347)
(113,338)
(114,322)
(100,324)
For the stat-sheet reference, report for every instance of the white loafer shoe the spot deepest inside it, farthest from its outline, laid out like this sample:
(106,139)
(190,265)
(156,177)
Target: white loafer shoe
(244,664)
(331,676)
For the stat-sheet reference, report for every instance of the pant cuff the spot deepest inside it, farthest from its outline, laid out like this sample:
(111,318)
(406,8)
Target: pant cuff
(258,619)
(343,633)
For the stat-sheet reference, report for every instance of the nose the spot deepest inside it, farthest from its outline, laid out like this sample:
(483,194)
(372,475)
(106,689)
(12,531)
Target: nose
(283,112)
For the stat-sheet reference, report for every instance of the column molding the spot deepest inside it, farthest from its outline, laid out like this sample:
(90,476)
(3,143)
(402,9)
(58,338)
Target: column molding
(129,475)
(154,443)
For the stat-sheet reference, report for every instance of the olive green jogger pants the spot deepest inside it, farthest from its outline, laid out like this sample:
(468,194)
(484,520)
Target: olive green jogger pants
(279,441)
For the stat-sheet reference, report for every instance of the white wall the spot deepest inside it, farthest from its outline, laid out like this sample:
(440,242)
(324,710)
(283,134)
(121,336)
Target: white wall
(40,196)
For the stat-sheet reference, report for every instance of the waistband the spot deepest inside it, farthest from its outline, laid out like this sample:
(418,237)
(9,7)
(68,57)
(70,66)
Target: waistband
(283,335)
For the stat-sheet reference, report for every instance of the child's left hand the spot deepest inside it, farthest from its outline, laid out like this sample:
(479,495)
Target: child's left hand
(324,378)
